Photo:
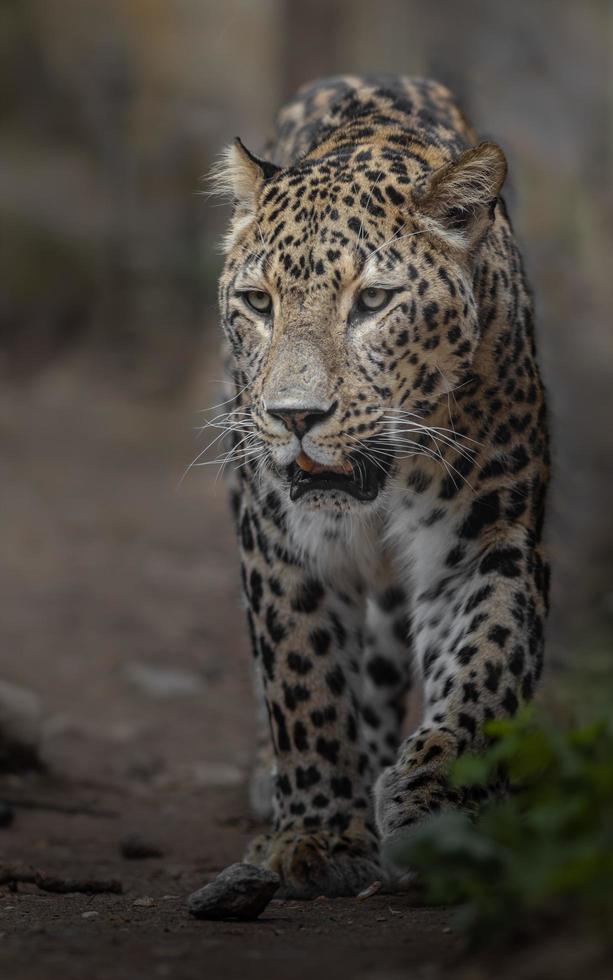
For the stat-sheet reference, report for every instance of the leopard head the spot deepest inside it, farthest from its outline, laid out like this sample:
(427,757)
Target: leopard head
(347,301)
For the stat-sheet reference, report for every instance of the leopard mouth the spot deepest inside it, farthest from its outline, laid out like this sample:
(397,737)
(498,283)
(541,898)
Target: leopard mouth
(359,477)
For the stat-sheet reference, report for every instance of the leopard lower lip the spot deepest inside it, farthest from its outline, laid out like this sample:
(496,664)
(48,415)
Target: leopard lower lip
(362,480)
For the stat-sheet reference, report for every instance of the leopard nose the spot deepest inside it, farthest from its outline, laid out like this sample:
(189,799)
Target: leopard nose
(301,420)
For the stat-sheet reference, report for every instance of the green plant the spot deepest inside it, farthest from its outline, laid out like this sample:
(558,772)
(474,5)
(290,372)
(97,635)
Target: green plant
(545,849)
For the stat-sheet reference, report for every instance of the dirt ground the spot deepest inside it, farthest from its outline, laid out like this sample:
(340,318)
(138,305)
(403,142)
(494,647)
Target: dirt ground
(121,617)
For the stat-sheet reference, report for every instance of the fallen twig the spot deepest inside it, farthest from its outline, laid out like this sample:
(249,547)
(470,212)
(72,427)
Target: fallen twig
(13,875)
(73,809)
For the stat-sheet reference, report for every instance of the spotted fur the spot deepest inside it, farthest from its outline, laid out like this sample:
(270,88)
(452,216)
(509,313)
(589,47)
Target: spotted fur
(440,576)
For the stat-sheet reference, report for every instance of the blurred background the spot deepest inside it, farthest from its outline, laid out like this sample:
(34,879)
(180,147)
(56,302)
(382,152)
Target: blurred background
(121,640)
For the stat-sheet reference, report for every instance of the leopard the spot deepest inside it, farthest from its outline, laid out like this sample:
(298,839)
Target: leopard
(387,434)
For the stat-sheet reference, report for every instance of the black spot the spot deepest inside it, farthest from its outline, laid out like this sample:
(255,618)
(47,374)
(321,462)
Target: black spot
(370,717)
(247,533)
(235,503)
(294,694)
(476,598)
(527,687)
(340,633)
(391,598)
(275,586)
(328,748)
(339,822)
(517,660)
(283,742)
(433,517)
(509,701)
(430,657)
(505,561)
(402,629)
(502,435)
(320,640)
(467,722)
(306,777)
(268,658)
(495,467)
(352,728)
(341,786)
(298,663)
(499,635)
(255,590)
(274,627)
(493,673)
(455,556)
(335,679)
(382,672)
(484,511)
(301,740)
(471,692)
(309,596)
(466,653)
(419,481)
(284,785)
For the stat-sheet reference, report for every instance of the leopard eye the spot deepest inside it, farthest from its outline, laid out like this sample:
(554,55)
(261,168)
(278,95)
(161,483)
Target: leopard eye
(259,301)
(372,299)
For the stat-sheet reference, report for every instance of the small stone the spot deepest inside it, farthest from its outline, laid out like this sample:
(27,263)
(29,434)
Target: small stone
(90,915)
(242,891)
(163,681)
(20,724)
(143,903)
(135,848)
(215,774)
(7,814)
(372,889)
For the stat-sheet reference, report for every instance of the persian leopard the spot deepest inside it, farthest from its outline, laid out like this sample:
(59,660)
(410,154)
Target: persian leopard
(389,436)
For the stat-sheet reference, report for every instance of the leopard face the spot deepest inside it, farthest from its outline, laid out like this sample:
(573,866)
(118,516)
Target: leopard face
(348,305)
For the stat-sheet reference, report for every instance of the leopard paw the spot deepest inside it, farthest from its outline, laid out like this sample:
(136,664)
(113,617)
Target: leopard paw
(417,785)
(317,864)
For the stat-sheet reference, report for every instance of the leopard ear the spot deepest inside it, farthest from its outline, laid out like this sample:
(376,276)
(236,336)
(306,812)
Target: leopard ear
(461,196)
(239,175)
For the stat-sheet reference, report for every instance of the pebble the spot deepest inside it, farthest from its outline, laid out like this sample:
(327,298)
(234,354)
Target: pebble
(7,814)
(144,903)
(242,891)
(20,724)
(90,915)
(372,889)
(135,848)
(163,681)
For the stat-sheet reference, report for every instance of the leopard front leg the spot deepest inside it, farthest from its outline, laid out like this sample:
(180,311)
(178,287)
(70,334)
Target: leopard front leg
(386,672)
(479,639)
(306,642)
